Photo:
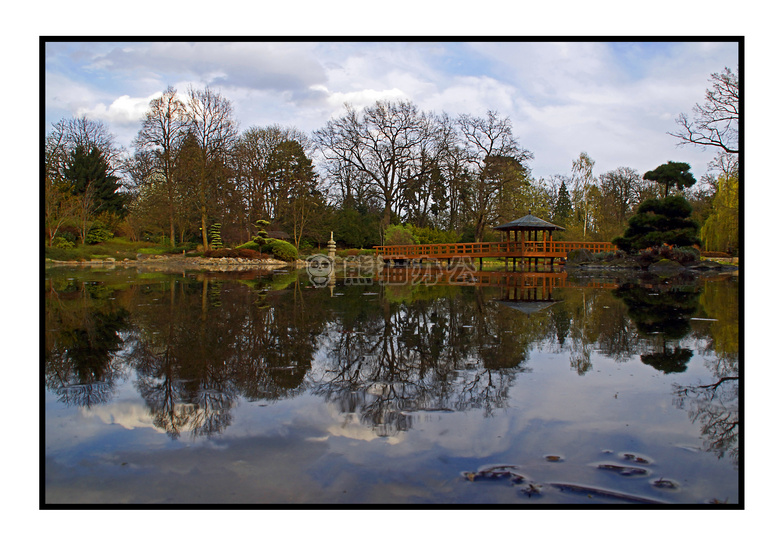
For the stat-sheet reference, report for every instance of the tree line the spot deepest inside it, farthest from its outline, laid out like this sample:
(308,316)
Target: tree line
(191,168)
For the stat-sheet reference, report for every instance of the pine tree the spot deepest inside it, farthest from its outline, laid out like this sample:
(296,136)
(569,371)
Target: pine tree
(672,174)
(87,171)
(563,206)
(658,222)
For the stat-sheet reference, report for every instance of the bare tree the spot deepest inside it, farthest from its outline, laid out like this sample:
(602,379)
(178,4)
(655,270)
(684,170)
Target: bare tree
(251,157)
(716,122)
(383,143)
(211,124)
(60,206)
(161,134)
(67,134)
(490,146)
(582,180)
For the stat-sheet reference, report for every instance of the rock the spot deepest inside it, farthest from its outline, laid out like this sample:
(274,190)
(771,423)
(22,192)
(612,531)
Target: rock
(666,266)
(705,265)
(579,256)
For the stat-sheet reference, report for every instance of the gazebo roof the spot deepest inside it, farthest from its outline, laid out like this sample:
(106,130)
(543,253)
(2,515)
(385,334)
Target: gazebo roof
(528,222)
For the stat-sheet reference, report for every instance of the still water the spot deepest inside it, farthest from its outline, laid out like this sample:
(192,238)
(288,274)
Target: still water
(518,388)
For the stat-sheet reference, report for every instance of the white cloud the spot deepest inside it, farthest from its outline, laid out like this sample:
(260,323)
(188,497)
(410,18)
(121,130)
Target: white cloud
(122,111)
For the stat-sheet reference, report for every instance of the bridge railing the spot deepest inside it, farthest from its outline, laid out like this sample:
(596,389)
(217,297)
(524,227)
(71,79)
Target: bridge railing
(509,248)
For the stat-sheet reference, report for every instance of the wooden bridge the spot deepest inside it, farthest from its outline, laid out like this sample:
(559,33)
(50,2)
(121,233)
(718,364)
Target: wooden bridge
(525,246)
(503,249)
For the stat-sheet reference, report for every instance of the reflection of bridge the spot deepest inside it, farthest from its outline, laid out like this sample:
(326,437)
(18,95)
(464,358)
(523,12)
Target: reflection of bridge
(526,245)
(541,283)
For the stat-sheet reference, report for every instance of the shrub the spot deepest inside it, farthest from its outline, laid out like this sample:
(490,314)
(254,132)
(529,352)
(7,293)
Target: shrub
(681,255)
(433,236)
(261,237)
(251,245)
(61,242)
(400,235)
(283,250)
(98,233)
(215,235)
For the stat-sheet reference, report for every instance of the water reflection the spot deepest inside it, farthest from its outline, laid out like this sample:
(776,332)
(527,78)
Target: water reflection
(82,339)
(199,344)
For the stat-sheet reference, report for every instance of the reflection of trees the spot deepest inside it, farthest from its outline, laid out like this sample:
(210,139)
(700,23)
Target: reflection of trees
(410,355)
(83,335)
(199,343)
(212,341)
(715,406)
(588,319)
(661,314)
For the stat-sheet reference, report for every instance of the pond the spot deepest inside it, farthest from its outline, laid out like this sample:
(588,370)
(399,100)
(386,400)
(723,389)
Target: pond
(400,387)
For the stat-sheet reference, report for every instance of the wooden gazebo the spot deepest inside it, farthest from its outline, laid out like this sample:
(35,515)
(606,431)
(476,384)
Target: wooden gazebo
(526,231)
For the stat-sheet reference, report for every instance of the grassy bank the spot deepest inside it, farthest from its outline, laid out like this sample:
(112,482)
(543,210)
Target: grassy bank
(117,248)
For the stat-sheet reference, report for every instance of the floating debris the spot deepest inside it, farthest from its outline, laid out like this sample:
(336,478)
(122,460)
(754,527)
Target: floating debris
(498,472)
(553,458)
(705,319)
(636,459)
(532,490)
(597,492)
(623,471)
(661,483)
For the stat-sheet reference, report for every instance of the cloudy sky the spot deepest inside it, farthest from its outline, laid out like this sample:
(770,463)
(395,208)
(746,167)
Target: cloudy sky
(614,100)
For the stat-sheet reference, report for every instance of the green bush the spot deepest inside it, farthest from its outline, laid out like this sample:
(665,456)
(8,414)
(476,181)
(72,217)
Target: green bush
(251,245)
(428,236)
(215,236)
(400,235)
(283,250)
(61,242)
(98,233)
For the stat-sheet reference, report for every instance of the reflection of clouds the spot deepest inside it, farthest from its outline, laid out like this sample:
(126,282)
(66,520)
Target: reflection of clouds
(127,414)
(349,426)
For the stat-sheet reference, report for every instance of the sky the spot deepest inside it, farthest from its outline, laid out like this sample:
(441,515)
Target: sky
(616,101)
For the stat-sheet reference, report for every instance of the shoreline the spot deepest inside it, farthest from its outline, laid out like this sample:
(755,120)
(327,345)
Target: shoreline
(180,263)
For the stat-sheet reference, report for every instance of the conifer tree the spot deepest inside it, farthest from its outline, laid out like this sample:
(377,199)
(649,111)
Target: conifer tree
(672,174)
(563,206)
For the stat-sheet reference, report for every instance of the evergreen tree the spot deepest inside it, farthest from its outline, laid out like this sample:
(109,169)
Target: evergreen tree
(215,235)
(87,170)
(672,174)
(658,222)
(563,206)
